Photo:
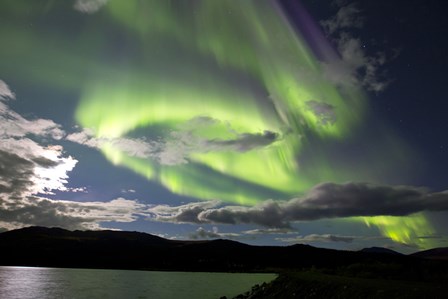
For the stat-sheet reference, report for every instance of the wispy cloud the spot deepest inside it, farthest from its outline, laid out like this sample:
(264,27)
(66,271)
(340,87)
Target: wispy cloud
(14,125)
(5,92)
(134,147)
(347,17)
(89,6)
(269,231)
(355,67)
(323,111)
(318,238)
(179,145)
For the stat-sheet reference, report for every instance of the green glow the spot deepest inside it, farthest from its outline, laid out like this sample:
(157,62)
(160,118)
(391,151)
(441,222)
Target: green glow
(406,230)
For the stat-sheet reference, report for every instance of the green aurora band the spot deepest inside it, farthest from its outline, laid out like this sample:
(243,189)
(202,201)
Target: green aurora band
(189,70)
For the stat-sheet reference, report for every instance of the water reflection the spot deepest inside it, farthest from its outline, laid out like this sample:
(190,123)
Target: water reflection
(27,282)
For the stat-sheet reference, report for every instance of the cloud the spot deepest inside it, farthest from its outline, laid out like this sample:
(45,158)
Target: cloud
(269,231)
(28,167)
(347,17)
(244,142)
(5,92)
(177,147)
(318,238)
(66,214)
(30,170)
(128,191)
(39,169)
(354,67)
(324,201)
(14,125)
(134,147)
(323,111)
(15,174)
(89,6)
(75,189)
(22,178)
(187,213)
(201,233)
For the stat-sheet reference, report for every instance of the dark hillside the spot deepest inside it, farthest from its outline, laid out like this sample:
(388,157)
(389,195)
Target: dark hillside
(55,247)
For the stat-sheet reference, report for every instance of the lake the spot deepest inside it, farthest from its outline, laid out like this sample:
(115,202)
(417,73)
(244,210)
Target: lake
(35,282)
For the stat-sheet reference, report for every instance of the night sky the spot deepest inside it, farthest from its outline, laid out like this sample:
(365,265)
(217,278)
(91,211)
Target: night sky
(267,122)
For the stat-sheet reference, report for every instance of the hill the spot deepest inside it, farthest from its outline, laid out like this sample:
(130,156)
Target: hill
(434,254)
(380,250)
(55,247)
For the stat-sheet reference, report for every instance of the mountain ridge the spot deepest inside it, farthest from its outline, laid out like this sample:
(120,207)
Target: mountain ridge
(56,247)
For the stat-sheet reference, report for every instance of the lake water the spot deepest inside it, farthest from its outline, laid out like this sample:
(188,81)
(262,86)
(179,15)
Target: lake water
(34,282)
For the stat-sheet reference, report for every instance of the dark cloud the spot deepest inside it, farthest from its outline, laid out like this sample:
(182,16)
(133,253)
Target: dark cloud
(202,234)
(268,214)
(24,211)
(244,142)
(327,200)
(44,162)
(187,213)
(16,174)
(42,212)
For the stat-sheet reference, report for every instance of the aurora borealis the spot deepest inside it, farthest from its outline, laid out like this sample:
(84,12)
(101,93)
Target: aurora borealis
(231,127)
(225,113)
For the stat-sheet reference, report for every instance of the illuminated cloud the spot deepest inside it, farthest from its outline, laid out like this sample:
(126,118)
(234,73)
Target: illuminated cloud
(28,167)
(23,177)
(29,170)
(42,171)
(31,174)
